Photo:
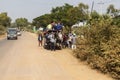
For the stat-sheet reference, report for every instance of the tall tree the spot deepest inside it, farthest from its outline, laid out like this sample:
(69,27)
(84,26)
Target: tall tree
(78,13)
(60,13)
(42,21)
(5,20)
(83,8)
(21,22)
(112,10)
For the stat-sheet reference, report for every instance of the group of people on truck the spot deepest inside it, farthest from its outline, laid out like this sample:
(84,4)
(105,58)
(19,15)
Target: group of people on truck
(54,38)
(54,26)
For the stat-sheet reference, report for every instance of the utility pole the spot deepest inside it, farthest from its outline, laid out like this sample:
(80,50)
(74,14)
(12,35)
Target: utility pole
(92,7)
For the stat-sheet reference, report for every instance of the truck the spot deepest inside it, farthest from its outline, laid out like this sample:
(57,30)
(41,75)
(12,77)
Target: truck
(12,33)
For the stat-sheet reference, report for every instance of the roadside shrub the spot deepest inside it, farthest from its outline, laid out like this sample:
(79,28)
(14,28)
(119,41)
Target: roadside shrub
(81,51)
(2,30)
(100,47)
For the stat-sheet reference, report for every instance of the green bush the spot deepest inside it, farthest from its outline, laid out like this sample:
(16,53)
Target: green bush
(100,47)
(2,30)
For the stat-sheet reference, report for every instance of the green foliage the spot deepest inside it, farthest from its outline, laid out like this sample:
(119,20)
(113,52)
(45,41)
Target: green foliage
(67,14)
(60,13)
(112,11)
(66,29)
(100,47)
(42,21)
(21,22)
(116,21)
(2,30)
(5,20)
(14,25)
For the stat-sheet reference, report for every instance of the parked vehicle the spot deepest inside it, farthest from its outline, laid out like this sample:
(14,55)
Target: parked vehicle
(19,33)
(12,33)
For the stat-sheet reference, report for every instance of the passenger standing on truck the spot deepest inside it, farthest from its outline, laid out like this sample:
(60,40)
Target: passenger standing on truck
(59,26)
(50,26)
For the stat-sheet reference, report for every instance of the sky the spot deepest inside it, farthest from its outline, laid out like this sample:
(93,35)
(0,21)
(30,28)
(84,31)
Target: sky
(31,9)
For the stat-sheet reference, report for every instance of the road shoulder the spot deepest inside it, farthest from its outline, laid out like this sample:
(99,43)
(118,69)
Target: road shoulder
(2,36)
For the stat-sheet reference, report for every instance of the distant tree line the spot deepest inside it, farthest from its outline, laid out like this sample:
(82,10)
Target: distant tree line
(20,23)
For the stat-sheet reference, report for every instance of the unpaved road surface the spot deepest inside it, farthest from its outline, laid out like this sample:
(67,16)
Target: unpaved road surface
(22,59)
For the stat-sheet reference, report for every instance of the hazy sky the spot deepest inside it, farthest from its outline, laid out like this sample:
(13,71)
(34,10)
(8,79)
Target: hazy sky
(33,8)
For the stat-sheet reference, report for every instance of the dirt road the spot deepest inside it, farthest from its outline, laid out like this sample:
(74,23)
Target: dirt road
(22,59)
